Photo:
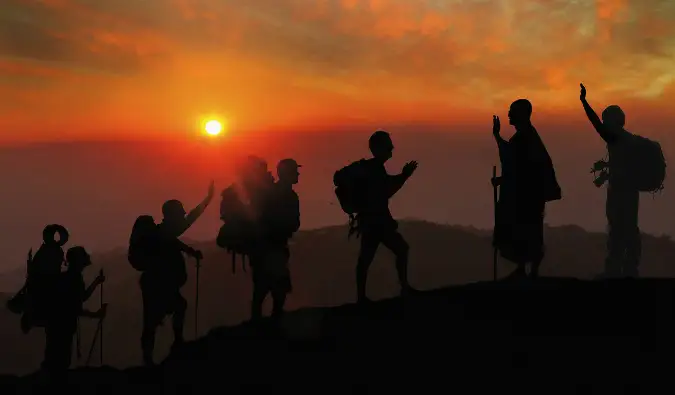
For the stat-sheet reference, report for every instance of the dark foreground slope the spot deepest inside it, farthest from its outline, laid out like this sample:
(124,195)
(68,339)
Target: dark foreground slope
(617,331)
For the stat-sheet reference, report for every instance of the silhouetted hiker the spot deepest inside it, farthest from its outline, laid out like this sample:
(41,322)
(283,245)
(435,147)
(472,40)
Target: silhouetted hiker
(34,299)
(364,189)
(527,182)
(280,220)
(634,164)
(70,293)
(158,253)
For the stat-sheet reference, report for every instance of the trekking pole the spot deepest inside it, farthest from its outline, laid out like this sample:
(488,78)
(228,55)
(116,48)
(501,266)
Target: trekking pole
(93,342)
(101,324)
(494,247)
(197,299)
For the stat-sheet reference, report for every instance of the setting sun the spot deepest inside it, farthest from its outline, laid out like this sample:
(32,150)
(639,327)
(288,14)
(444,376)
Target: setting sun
(213,127)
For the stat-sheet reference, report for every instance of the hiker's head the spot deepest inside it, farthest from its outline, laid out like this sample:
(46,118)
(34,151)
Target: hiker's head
(520,112)
(255,174)
(613,117)
(380,145)
(77,258)
(287,171)
(49,235)
(173,211)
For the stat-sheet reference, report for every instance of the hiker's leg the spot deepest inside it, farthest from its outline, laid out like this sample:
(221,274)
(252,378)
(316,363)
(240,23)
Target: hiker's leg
(369,243)
(395,242)
(616,241)
(537,239)
(282,286)
(51,348)
(151,317)
(179,318)
(257,300)
(278,302)
(633,236)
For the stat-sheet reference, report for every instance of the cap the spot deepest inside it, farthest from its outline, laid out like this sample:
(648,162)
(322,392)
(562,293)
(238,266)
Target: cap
(288,164)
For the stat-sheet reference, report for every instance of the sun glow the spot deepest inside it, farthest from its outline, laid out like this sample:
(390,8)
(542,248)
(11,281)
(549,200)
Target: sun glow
(213,127)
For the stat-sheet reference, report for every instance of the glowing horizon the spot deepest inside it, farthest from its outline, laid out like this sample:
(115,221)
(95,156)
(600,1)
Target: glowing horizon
(70,69)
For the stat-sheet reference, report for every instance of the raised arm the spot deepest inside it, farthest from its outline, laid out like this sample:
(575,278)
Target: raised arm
(604,133)
(196,212)
(396,182)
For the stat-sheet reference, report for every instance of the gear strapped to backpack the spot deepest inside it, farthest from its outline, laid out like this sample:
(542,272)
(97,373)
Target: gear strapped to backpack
(236,233)
(143,243)
(649,163)
(43,271)
(350,182)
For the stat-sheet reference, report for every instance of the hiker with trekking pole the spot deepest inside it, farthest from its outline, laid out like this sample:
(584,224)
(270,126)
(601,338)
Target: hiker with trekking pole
(156,251)
(62,323)
(527,183)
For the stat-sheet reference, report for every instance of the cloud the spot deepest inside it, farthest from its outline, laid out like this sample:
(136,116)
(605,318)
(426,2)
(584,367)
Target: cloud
(363,57)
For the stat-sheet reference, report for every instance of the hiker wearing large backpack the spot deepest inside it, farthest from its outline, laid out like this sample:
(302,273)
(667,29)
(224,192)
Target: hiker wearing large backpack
(527,183)
(35,298)
(70,293)
(635,164)
(363,189)
(241,210)
(280,220)
(163,271)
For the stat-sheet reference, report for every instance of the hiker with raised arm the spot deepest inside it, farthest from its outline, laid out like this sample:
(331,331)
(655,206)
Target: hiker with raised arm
(280,219)
(527,183)
(68,299)
(156,251)
(364,189)
(635,164)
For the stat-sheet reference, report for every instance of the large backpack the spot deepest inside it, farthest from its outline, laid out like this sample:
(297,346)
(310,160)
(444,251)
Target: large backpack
(143,241)
(34,299)
(236,233)
(649,164)
(350,189)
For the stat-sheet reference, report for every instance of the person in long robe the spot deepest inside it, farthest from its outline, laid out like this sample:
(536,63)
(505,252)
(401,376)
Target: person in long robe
(527,183)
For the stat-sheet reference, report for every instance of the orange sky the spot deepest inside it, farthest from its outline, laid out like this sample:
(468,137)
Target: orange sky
(84,69)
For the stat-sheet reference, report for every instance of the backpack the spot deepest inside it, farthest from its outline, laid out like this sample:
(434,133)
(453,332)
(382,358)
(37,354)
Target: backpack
(236,232)
(142,243)
(649,164)
(350,182)
(34,299)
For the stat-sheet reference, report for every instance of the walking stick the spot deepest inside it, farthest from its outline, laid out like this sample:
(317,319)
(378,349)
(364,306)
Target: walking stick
(197,300)
(101,324)
(98,335)
(494,247)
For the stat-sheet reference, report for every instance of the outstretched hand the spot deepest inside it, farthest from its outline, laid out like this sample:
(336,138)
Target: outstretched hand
(410,168)
(100,279)
(496,125)
(582,95)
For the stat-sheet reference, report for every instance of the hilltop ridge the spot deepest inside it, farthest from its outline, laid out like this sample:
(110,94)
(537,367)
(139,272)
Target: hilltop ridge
(587,328)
